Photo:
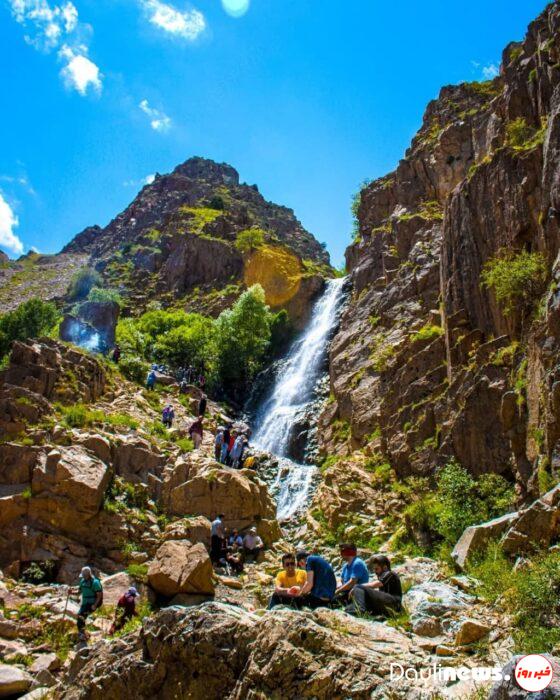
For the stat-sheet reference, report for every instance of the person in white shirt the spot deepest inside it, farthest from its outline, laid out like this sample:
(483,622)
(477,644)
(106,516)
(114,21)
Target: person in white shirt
(217,539)
(252,543)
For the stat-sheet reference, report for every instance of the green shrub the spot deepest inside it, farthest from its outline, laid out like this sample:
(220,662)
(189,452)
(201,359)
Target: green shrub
(134,368)
(516,279)
(250,239)
(529,595)
(185,444)
(31,319)
(79,415)
(427,332)
(103,295)
(459,500)
(521,136)
(82,283)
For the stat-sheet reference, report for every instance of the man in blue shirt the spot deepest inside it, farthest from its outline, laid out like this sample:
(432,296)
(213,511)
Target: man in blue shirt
(319,589)
(354,572)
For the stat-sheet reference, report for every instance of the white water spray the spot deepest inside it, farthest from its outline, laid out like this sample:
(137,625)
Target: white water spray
(293,390)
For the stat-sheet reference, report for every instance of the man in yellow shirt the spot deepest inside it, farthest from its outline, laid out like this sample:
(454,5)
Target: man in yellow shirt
(288,582)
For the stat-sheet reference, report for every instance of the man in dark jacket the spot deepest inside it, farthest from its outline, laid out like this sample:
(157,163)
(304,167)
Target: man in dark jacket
(381,597)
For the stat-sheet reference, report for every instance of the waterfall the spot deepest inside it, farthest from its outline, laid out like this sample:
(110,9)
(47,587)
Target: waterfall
(293,391)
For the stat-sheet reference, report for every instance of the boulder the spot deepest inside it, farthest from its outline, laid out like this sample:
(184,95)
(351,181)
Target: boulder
(13,681)
(476,537)
(180,567)
(114,586)
(470,631)
(238,494)
(68,488)
(536,526)
(434,599)
(285,654)
(195,529)
(45,662)
(426,626)
(134,459)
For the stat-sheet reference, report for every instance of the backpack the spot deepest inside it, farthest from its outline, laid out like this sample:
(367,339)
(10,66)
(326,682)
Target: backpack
(166,413)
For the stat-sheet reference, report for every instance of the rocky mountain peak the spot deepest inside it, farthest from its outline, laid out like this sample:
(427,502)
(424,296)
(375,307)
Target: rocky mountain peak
(206,169)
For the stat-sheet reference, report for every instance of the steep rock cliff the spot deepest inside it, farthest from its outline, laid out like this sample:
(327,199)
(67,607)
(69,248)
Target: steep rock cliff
(429,365)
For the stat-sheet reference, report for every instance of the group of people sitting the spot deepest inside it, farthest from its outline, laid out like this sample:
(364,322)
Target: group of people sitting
(308,580)
(232,549)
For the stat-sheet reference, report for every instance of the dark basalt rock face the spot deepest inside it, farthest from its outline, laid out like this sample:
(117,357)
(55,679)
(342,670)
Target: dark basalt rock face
(463,193)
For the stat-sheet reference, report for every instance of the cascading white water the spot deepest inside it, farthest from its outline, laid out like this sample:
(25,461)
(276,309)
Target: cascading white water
(293,390)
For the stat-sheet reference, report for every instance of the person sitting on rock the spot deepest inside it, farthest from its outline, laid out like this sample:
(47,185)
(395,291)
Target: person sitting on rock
(151,380)
(91,591)
(354,572)
(217,537)
(126,609)
(196,432)
(382,597)
(234,560)
(320,586)
(252,544)
(289,582)
(235,540)
(167,416)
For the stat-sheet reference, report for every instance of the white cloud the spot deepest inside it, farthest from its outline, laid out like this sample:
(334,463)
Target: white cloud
(21,180)
(79,72)
(186,24)
(45,24)
(50,27)
(490,71)
(159,121)
(8,222)
(140,183)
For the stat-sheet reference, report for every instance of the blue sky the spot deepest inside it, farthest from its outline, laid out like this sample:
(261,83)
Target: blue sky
(306,98)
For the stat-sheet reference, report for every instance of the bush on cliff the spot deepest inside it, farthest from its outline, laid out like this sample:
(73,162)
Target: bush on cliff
(516,279)
(31,319)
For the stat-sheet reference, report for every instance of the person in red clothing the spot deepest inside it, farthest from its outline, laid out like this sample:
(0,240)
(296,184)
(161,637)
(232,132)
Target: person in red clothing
(196,432)
(126,609)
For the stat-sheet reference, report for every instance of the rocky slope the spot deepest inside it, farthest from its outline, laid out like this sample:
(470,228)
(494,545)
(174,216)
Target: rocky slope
(429,364)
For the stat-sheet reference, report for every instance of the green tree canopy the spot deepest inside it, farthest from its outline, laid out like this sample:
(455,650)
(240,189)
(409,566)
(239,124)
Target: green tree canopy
(31,319)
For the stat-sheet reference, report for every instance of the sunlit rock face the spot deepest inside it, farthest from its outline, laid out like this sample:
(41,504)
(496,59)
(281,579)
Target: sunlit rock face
(426,359)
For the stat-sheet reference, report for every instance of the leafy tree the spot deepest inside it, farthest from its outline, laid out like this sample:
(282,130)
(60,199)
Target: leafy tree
(130,338)
(250,239)
(189,343)
(242,338)
(31,319)
(82,283)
